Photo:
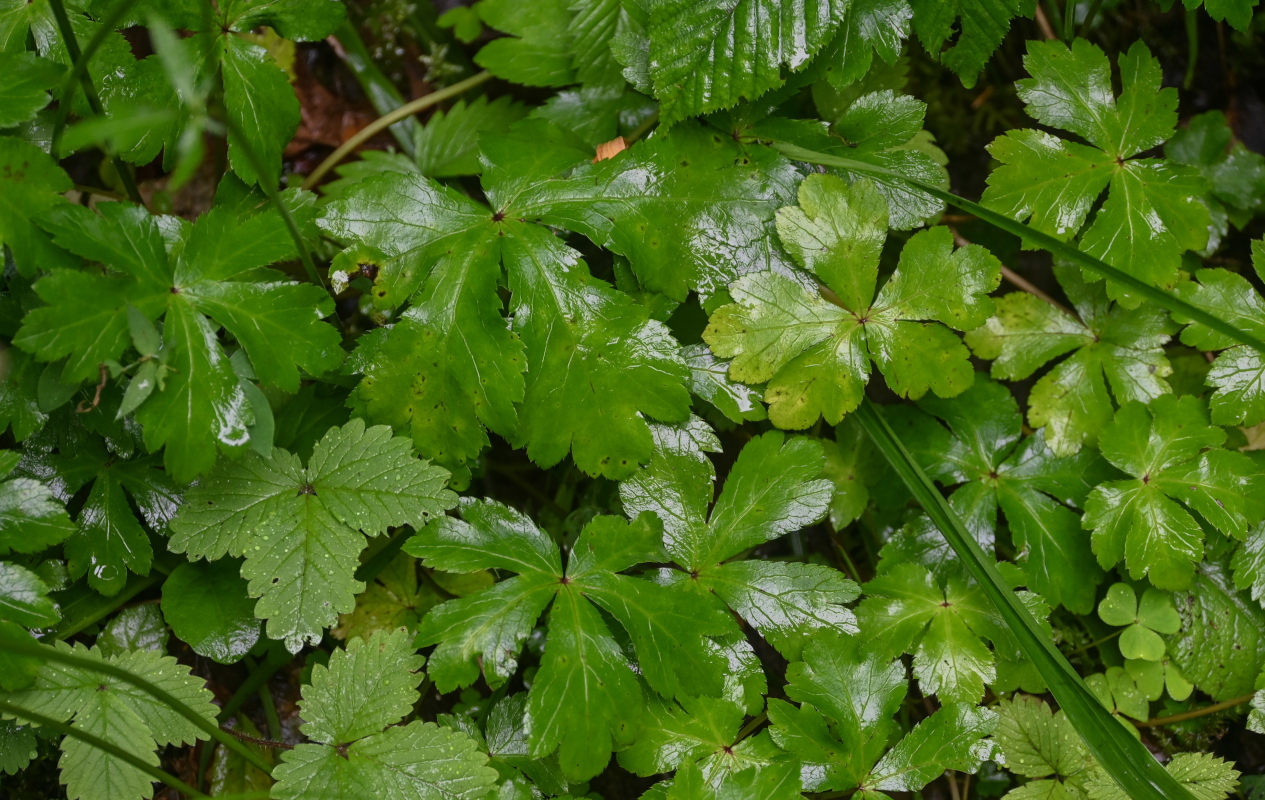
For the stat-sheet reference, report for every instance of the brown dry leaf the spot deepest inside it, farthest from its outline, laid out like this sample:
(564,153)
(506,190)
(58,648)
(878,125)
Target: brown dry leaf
(610,149)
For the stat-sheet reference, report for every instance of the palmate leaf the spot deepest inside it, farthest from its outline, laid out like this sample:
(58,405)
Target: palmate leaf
(26,90)
(775,487)
(946,623)
(125,494)
(712,55)
(1115,352)
(301,529)
(1152,212)
(998,469)
(583,366)
(349,709)
(24,598)
(584,695)
(1175,466)
(1040,744)
(813,344)
(118,712)
(216,275)
(842,729)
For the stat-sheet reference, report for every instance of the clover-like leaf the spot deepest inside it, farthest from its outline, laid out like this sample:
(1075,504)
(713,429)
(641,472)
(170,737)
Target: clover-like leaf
(812,341)
(1143,621)
(1152,212)
(1176,467)
(301,529)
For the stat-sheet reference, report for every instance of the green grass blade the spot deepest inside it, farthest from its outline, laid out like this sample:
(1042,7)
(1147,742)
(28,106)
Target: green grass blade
(41,652)
(1124,757)
(11,710)
(1029,234)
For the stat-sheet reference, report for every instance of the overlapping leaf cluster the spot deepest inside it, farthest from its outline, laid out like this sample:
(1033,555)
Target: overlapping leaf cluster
(679,563)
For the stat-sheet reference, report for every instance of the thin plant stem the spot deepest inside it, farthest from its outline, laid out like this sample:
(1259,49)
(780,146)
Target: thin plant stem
(1089,17)
(752,726)
(90,92)
(11,709)
(79,68)
(1192,48)
(103,611)
(1196,713)
(644,128)
(275,198)
(44,652)
(270,712)
(387,120)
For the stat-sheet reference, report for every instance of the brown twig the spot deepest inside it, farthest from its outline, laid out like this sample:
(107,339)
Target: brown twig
(1044,24)
(1195,713)
(96,398)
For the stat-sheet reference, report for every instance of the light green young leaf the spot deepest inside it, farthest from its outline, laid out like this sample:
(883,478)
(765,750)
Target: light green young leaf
(1145,620)
(1111,347)
(1175,466)
(300,529)
(1153,210)
(812,346)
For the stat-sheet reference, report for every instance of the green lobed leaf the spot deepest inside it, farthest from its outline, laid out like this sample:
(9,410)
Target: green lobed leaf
(1152,212)
(1175,466)
(1115,352)
(302,529)
(711,55)
(976,28)
(813,345)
